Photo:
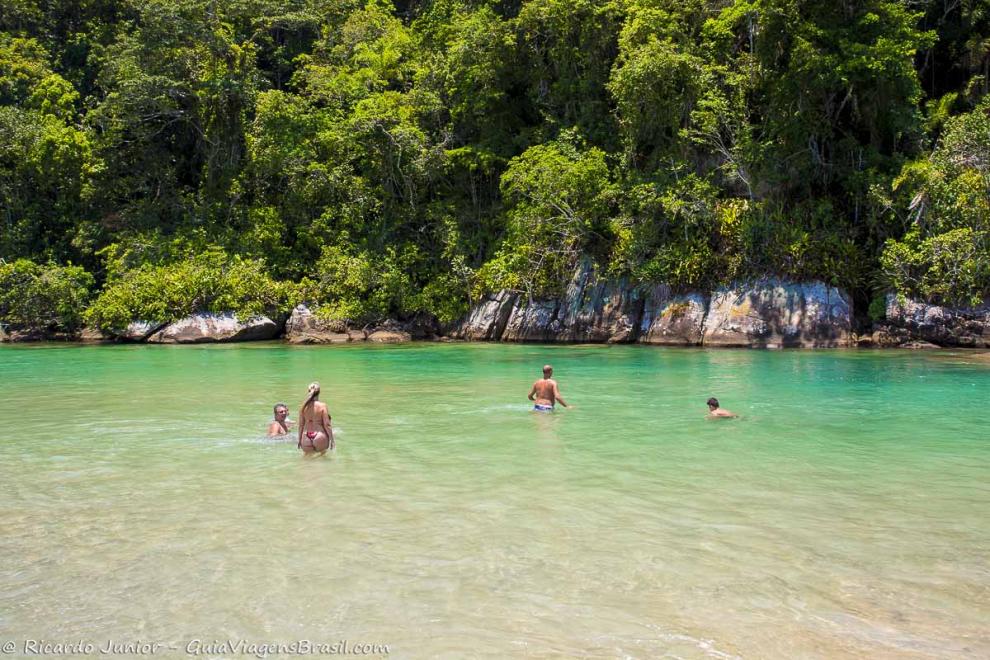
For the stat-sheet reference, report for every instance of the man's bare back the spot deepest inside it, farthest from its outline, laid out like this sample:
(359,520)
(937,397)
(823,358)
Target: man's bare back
(545,393)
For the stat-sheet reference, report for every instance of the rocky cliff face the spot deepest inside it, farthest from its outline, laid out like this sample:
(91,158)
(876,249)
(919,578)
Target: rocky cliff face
(910,321)
(769,313)
(673,320)
(487,319)
(591,310)
(594,310)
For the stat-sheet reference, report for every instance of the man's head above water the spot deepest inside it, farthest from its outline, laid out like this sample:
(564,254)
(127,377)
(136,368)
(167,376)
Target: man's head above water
(547,371)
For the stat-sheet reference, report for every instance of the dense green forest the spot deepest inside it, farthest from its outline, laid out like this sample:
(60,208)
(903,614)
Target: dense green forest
(159,157)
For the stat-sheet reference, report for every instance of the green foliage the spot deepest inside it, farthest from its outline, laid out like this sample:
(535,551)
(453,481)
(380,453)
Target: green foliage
(878,308)
(472,74)
(359,288)
(402,158)
(944,256)
(46,177)
(949,268)
(559,196)
(210,281)
(840,80)
(23,64)
(45,297)
(685,236)
(568,48)
(666,232)
(445,296)
(657,81)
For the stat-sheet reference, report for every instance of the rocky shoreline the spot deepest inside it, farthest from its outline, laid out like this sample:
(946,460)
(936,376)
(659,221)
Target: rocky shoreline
(766,313)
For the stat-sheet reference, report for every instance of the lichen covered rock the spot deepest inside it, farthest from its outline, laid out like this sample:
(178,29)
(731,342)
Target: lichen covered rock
(767,313)
(778,314)
(207,328)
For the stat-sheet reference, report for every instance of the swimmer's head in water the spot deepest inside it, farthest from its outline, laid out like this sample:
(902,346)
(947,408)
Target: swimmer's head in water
(547,371)
(713,403)
(281,409)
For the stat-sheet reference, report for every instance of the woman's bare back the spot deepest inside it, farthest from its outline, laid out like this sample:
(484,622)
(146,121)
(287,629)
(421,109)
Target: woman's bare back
(316,433)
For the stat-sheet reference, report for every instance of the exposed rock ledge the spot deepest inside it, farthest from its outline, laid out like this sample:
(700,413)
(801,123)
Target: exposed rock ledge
(767,313)
(27,334)
(911,323)
(304,327)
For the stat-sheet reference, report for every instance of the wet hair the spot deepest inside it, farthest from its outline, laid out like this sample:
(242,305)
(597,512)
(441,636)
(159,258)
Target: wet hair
(279,405)
(547,369)
(713,402)
(313,391)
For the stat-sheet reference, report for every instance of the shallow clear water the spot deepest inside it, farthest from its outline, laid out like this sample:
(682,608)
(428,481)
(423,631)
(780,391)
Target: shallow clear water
(847,513)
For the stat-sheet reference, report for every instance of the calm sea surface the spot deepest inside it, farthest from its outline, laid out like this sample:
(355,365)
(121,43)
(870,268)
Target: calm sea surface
(846,514)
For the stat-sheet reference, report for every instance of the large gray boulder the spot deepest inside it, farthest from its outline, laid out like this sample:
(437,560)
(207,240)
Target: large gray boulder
(91,335)
(776,313)
(673,320)
(944,326)
(138,330)
(487,320)
(304,327)
(389,331)
(205,327)
(389,336)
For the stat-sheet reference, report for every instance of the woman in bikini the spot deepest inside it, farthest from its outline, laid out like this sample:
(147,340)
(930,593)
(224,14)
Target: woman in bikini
(315,433)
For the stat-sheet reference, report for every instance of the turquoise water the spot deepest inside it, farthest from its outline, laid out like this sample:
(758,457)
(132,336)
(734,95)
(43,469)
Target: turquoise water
(845,514)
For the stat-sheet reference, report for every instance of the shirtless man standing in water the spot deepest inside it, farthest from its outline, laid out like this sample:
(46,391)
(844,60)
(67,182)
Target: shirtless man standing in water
(315,432)
(545,392)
